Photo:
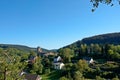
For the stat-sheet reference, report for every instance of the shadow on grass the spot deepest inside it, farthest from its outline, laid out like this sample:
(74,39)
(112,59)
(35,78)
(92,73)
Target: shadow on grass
(55,75)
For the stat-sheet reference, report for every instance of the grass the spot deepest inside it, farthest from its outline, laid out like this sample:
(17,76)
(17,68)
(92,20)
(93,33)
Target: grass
(54,75)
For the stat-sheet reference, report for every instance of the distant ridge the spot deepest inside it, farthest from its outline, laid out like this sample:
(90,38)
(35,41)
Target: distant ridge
(20,47)
(109,38)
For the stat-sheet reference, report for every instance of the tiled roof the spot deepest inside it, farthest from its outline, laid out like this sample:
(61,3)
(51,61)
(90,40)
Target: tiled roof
(31,77)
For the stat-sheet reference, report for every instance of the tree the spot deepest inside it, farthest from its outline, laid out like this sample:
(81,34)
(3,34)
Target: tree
(116,78)
(47,71)
(97,2)
(37,67)
(82,66)
(63,78)
(110,53)
(83,49)
(78,76)
(113,53)
(46,62)
(95,51)
(10,71)
(66,53)
(99,78)
(32,54)
(97,71)
(10,65)
(68,70)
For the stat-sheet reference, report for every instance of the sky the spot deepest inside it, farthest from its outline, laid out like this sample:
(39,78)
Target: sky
(52,24)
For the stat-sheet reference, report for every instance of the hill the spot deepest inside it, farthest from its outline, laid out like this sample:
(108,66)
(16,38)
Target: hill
(20,47)
(110,38)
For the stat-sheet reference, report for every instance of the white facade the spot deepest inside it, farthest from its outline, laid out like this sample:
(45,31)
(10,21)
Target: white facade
(58,65)
(91,61)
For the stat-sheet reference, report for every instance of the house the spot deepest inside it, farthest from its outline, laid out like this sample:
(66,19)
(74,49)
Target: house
(27,76)
(32,59)
(32,77)
(57,59)
(58,65)
(89,60)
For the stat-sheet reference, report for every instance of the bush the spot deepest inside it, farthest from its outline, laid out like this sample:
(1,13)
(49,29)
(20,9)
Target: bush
(116,78)
(47,71)
(99,78)
(63,78)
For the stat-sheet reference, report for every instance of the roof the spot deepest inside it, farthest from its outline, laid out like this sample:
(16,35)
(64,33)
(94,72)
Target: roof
(31,76)
(57,57)
(87,58)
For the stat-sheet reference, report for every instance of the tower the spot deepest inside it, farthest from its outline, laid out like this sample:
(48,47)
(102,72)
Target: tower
(39,51)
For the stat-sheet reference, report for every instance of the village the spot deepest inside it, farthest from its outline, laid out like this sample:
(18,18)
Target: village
(57,63)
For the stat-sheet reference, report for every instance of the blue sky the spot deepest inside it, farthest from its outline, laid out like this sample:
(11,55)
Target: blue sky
(52,24)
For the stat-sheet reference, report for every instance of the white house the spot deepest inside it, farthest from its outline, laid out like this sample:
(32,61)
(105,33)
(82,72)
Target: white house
(57,59)
(89,60)
(58,65)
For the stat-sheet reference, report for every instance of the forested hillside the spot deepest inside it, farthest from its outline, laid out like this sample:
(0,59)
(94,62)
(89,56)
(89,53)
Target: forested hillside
(104,49)
(21,47)
(110,38)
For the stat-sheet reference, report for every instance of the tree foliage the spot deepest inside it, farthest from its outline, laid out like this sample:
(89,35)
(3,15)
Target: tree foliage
(63,78)
(107,2)
(78,76)
(66,54)
(82,66)
(11,65)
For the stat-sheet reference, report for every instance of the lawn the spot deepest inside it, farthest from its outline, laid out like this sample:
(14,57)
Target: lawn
(54,75)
